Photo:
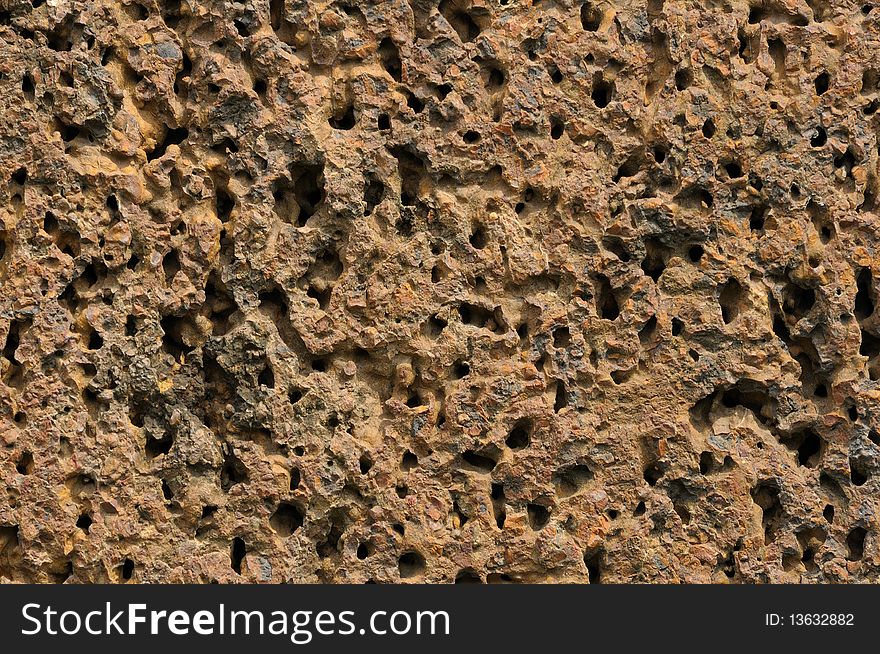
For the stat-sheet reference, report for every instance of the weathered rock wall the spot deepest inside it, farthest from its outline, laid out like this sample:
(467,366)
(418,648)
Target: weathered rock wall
(498,290)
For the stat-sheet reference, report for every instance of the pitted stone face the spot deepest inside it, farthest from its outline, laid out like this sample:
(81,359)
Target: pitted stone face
(457,291)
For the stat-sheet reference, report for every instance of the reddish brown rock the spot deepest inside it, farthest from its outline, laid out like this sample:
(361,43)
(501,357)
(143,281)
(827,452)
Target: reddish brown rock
(551,291)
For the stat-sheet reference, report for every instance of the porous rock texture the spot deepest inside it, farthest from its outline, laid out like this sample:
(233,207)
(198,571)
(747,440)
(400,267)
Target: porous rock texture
(490,290)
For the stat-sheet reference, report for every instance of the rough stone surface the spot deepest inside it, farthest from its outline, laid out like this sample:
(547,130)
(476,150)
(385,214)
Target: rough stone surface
(551,291)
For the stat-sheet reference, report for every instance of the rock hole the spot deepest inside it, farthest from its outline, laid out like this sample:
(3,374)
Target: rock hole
(616,247)
(411,564)
(684,78)
(709,128)
(411,171)
(176,333)
(855,544)
(478,461)
(390,57)
(560,396)
(266,377)
(865,294)
(603,91)
(468,576)
(778,53)
(414,102)
(852,413)
(828,513)
(731,299)
(155,447)
(797,301)
(495,78)
(606,302)
(171,265)
(758,218)
(278,21)
(594,561)
(27,87)
(677,327)
(538,514)
(321,296)
(846,161)
(435,326)
(17,328)
(220,304)
(766,496)
(84,521)
(25,464)
(479,239)
(470,137)
(173,136)
(571,479)
(695,198)
(460,20)
(232,472)
(345,120)
(733,170)
(821,83)
(96,342)
(498,504)
(628,168)
(286,519)
(707,463)
(858,472)
(561,338)
(652,473)
(808,445)
(648,330)
(658,153)
(520,435)
(477,316)
(374,191)
(870,345)
(237,553)
(656,257)
(681,498)
(591,17)
(409,461)
(298,200)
